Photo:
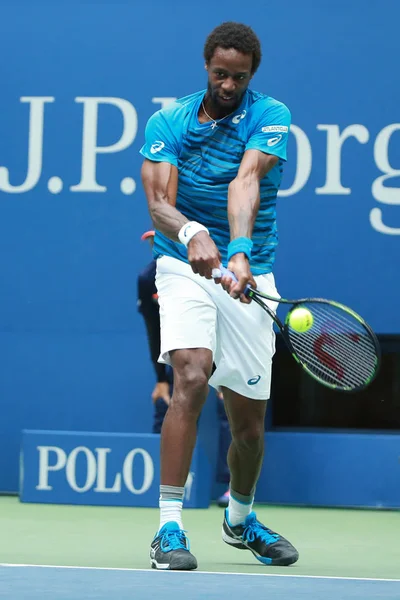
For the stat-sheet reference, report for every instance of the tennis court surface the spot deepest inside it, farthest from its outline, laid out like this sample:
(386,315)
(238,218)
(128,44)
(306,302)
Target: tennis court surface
(69,583)
(50,552)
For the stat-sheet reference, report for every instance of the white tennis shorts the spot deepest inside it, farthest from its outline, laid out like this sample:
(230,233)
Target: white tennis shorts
(197,313)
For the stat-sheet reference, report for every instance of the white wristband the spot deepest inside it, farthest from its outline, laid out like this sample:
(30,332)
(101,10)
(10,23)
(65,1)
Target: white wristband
(189,230)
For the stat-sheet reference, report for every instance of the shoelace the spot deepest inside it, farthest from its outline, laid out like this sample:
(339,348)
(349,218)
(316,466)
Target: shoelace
(254,530)
(174,540)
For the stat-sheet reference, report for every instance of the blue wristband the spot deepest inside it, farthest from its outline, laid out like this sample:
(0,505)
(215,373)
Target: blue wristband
(242,244)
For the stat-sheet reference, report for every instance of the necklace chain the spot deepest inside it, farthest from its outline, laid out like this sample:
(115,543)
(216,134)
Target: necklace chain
(215,122)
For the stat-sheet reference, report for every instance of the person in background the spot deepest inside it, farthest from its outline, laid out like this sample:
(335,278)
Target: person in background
(147,303)
(149,308)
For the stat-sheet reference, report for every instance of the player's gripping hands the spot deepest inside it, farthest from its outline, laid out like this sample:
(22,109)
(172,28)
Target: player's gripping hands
(204,256)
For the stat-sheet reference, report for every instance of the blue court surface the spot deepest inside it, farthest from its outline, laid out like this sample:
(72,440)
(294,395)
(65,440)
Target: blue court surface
(23,582)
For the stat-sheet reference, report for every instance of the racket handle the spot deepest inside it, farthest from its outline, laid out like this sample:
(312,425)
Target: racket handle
(217,273)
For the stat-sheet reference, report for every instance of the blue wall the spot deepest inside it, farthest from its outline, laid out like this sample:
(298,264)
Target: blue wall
(79,82)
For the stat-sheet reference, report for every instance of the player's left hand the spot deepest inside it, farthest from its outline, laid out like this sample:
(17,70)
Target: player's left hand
(240,266)
(161,390)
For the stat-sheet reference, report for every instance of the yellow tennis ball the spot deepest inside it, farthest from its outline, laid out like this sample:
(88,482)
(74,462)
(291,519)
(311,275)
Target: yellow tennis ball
(301,320)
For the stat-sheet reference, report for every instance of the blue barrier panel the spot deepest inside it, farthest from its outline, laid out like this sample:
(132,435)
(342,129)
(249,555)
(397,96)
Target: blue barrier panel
(313,469)
(331,469)
(70,467)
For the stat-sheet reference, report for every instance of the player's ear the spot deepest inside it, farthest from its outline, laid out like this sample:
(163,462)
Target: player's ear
(206,66)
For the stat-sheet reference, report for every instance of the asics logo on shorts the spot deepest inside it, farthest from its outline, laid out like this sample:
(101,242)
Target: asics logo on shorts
(254,380)
(157,146)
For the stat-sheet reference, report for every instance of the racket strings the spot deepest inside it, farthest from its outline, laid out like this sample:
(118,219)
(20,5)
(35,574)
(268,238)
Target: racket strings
(353,350)
(337,348)
(333,371)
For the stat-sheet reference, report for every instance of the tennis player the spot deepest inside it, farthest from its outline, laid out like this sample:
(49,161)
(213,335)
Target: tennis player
(212,170)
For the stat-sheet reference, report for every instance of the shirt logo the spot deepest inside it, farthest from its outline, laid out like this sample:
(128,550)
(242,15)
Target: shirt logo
(273,141)
(275,128)
(237,118)
(157,146)
(254,380)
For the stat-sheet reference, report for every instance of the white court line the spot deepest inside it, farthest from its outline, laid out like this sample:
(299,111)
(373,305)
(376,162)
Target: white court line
(289,575)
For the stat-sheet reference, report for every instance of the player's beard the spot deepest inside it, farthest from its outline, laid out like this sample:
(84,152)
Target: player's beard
(223,108)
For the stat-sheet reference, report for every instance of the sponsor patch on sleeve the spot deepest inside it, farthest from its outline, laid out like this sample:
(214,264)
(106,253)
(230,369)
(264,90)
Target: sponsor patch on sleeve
(274,128)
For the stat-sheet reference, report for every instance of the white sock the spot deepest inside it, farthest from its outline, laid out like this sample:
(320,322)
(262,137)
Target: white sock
(170,510)
(239,507)
(171,501)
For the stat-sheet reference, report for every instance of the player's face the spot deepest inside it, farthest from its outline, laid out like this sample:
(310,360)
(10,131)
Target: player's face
(229,74)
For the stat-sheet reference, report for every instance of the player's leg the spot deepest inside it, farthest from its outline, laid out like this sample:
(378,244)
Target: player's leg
(241,528)
(244,362)
(188,321)
(192,369)
(246,452)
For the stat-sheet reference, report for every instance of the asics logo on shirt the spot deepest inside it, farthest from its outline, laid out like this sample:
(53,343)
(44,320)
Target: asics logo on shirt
(237,118)
(157,146)
(273,141)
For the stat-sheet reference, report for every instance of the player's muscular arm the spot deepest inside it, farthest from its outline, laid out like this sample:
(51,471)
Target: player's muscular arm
(160,182)
(244,192)
(243,205)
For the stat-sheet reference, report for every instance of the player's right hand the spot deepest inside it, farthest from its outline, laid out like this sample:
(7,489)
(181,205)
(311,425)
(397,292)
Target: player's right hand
(203,254)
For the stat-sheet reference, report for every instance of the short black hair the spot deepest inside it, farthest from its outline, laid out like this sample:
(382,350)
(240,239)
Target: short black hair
(234,35)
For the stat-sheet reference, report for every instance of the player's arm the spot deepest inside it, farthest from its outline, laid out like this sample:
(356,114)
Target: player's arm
(243,206)
(265,146)
(244,192)
(160,182)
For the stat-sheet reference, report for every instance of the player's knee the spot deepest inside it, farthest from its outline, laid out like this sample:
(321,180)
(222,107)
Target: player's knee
(249,437)
(191,386)
(193,378)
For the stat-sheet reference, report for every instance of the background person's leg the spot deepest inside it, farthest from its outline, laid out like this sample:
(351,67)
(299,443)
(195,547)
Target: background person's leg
(224,441)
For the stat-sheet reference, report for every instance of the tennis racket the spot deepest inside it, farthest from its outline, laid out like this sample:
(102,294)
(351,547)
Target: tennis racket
(338,349)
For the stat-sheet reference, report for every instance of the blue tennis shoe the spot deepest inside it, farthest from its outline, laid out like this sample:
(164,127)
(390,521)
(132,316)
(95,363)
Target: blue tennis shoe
(268,547)
(170,549)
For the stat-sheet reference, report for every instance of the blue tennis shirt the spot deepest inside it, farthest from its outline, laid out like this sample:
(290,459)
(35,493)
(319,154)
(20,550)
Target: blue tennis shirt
(208,159)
